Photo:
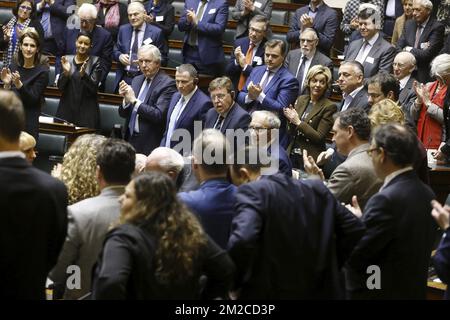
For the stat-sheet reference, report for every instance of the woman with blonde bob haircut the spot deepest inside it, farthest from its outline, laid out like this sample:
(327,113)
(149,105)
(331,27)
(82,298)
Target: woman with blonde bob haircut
(312,118)
(27,143)
(159,249)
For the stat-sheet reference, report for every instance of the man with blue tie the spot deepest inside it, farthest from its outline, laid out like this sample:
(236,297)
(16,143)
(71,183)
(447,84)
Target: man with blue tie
(132,36)
(204,22)
(186,110)
(146,101)
(53,15)
(271,86)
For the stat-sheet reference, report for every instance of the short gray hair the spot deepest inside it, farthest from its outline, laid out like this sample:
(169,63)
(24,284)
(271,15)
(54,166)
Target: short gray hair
(440,65)
(271,119)
(425,3)
(216,146)
(88,8)
(138,4)
(189,68)
(168,159)
(310,30)
(153,50)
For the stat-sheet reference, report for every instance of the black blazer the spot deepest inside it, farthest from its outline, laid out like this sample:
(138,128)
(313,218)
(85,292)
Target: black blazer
(400,234)
(152,112)
(237,118)
(289,239)
(33,210)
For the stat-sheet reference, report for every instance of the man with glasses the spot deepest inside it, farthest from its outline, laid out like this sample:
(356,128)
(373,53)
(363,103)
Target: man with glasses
(187,111)
(102,43)
(320,17)
(248,52)
(299,61)
(146,101)
(400,230)
(356,175)
(226,113)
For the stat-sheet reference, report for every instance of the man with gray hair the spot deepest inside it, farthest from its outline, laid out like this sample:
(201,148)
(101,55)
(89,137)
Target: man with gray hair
(351,83)
(372,51)
(213,202)
(102,43)
(166,160)
(423,36)
(403,66)
(146,101)
(299,61)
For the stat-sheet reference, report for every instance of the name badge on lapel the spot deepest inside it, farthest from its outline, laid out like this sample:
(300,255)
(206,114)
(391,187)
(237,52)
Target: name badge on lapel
(148,41)
(258,60)
(257,4)
(370,60)
(212,11)
(159,18)
(424,45)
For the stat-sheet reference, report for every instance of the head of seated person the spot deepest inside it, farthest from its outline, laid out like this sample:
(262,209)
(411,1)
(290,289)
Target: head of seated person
(168,161)
(27,144)
(382,86)
(318,81)
(88,15)
(351,76)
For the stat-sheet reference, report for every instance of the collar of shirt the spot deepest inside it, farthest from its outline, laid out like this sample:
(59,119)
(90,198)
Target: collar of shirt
(310,56)
(353,93)
(393,175)
(226,113)
(11,154)
(403,81)
(273,71)
(372,40)
(317,7)
(423,24)
(189,95)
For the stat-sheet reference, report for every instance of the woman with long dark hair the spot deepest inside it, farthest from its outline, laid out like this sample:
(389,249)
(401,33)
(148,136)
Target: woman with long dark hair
(79,85)
(28,77)
(159,250)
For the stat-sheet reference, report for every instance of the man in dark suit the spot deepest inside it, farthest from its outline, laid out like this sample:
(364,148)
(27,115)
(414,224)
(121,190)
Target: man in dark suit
(403,66)
(245,10)
(248,52)
(446,47)
(53,15)
(146,101)
(213,202)
(391,260)
(226,113)
(289,238)
(372,51)
(33,211)
(393,10)
(102,44)
(299,61)
(132,36)
(423,36)
(271,87)
(351,83)
(187,111)
(204,23)
(320,17)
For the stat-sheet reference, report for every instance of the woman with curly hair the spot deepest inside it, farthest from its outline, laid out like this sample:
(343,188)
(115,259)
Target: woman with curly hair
(159,250)
(78,170)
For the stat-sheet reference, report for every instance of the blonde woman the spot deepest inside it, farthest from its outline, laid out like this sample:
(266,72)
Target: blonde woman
(78,170)
(27,143)
(159,250)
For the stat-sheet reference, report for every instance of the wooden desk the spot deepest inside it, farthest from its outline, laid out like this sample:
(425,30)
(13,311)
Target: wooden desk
(70,131)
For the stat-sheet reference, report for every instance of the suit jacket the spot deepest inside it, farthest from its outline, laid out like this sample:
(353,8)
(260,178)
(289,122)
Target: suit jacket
(151,112)
(237,118)
(164,11)
(58,18)
(441,261)
(361,100)
(102,47)
(234,70)
(280,92)
(430,43)
(210,29)
(398,29)
(213,203)
(194,111)
(89,221)
(446,47)
(382,53)
(406,98)
(325,23)
(33,210)
(152,35)
(312,132)
(400,234)
(243,22)
(355,176)
(282,247)
(293,60)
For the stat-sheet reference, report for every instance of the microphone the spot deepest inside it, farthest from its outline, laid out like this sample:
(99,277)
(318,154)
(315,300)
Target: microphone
(59,119)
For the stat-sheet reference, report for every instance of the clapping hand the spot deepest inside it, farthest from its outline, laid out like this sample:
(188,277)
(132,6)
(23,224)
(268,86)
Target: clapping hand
(310,165)
(354,207)
(149,18)
(6,76)
(126,92)
(192,16)
(423,96)
(306,21)
(291,115)
(83,68)
(16,80)
(65,64)
(440,214)
(254,90)
(124,59)
(6,33)
(240,58)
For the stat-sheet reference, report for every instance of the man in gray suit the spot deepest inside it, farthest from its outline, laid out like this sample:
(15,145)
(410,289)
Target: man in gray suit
(299,61)
(404,65)
(351,83)
(372,51)
(356,175)
(90,219)
(245,10)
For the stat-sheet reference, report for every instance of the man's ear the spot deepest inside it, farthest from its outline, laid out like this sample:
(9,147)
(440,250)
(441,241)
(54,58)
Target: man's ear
(244,175)
(390,95)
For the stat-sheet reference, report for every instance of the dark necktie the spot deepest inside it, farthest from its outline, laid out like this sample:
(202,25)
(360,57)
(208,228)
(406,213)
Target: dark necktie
(134,50)
(193,35)
(266,80)
(301,71)
(219,122)
(418,34)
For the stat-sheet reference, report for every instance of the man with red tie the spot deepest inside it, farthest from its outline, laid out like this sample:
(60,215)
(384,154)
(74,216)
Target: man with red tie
(248,52)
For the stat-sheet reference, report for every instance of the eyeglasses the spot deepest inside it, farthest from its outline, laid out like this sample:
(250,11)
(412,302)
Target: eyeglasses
(256,30)
(307,40)
(369,151)
(87,20)
(219,96)
(25,8)
(257,128)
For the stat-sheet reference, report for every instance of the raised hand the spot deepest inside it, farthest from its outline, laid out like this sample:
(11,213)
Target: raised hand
(6,76)
(240,58)
(291,115)
(254,90)
(440,214)
(83,67)
(16,79)
(354,207)
(65,64)
(310,165)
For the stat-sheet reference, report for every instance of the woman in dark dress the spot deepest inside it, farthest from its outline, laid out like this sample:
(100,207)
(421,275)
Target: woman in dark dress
(159,250)
(161,14)
(24,16)
(28,77)
(111,15)
(79,85)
